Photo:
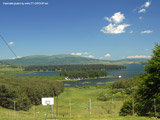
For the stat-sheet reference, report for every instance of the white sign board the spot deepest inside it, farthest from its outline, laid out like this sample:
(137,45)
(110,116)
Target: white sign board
(47,101)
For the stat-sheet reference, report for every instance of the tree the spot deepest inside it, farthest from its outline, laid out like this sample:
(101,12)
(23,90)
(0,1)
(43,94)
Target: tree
(19,92)
(147,95)
(126,108)
(23,102)
(9,95)
(149,89)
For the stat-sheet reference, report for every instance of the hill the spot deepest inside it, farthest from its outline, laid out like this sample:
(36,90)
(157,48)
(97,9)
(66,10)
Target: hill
(54,60)
(132,61)
(66,60)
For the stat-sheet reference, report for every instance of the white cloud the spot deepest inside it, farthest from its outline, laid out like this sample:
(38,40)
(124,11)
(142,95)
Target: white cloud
(142,11)
(139,56)
(100,58)
(107,55)
(10,43)
(143,8)
(76,53)
(147,4)
(108,19)
(116,18)
(79,53)
(16,57)
(90,56)
(114,28)
(146,32)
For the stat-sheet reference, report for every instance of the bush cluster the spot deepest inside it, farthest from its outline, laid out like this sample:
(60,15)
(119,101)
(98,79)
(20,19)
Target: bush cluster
(26,91)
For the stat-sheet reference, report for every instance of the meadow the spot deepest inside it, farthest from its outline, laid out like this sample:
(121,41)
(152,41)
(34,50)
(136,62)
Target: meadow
(78,103)
(11,69)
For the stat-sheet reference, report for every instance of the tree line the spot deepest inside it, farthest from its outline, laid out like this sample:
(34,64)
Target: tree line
(26,91)
(84,74)
(73,67)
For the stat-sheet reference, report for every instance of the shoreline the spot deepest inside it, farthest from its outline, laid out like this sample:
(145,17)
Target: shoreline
(90,78)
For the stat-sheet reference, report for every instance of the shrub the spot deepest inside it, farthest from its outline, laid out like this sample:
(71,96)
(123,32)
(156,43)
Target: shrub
(26,91)
(104,96)
(126,108)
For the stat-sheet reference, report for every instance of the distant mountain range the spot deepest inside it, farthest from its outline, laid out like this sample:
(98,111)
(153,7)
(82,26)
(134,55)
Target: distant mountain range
(67,60)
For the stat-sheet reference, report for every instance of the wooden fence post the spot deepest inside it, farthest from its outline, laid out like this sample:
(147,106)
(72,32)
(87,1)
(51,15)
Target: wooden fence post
(70,108)
(133,105)
(155,109)
(14,109)
(90,106)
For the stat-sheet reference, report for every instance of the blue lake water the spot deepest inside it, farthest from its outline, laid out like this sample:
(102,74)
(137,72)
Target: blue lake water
(38,74)
(131,71)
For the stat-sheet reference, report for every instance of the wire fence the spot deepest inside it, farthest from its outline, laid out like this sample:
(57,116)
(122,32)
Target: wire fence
(64,109)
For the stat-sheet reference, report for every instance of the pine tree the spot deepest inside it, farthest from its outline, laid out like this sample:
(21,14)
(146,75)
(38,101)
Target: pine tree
(149,89)
(147,96)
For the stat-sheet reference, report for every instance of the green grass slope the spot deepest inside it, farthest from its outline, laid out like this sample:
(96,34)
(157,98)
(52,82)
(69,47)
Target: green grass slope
(73,104)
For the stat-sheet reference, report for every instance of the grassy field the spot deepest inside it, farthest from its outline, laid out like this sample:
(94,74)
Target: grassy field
(9,69)
(74,104)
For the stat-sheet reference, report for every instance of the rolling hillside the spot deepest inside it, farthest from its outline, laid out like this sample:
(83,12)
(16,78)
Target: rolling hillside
(54,60)
(66,60)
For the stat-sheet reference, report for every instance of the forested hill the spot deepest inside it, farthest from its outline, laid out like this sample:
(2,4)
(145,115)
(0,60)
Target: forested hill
(64,60)
(54,60)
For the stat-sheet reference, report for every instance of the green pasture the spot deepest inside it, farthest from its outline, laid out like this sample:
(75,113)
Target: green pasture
(74,104)
(8,69)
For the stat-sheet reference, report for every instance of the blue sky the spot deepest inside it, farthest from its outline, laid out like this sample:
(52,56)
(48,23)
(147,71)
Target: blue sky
(101,29)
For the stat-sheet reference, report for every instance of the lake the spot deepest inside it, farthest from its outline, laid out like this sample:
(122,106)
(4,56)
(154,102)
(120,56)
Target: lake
(131,71)
(38,74)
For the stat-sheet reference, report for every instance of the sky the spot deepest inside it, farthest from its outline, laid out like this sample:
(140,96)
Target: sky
(99,29)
